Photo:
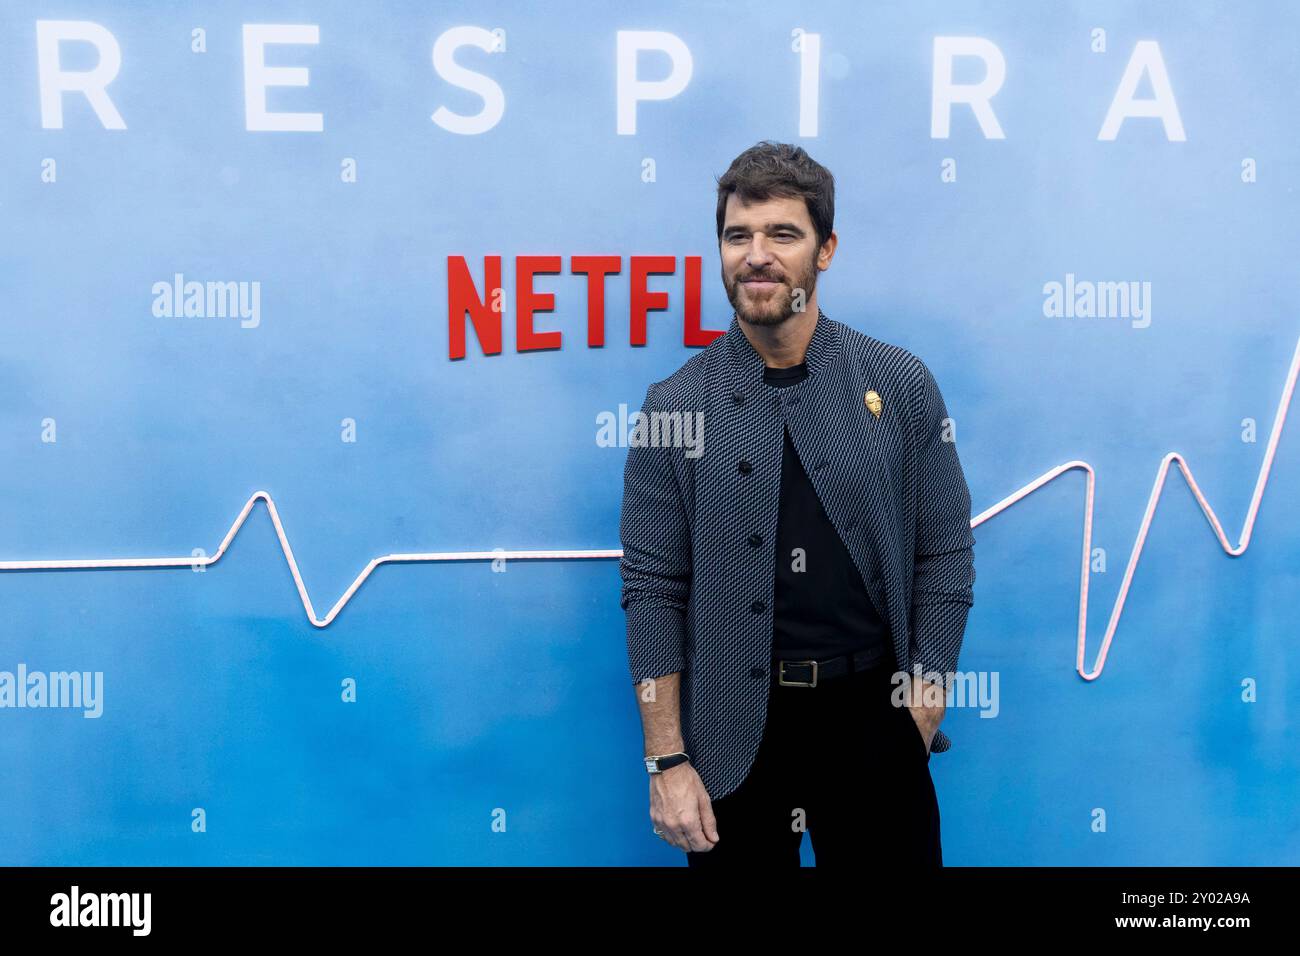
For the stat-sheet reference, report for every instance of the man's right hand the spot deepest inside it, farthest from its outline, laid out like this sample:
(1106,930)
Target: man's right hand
(681,808)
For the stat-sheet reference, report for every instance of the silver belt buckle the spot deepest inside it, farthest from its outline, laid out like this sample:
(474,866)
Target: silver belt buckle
(780,679)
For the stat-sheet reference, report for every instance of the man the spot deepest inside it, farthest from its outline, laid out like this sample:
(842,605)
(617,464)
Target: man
(780,583)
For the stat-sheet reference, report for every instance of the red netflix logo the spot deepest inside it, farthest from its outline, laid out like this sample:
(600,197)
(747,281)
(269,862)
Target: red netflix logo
(485,313)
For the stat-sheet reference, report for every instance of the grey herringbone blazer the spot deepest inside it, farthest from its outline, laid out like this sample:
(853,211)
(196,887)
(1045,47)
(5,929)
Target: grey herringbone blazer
(699,529)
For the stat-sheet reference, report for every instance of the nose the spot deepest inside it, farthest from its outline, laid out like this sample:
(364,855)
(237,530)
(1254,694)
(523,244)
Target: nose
(758,255)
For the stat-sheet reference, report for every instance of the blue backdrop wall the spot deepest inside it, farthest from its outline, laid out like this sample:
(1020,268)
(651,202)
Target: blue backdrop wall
(485,695)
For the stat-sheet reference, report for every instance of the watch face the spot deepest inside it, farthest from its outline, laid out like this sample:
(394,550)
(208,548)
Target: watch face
(660,764)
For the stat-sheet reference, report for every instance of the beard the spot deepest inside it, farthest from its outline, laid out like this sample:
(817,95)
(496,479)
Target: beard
(775,305)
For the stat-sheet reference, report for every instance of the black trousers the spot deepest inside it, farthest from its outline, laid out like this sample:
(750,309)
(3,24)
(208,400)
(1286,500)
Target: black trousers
(841,761)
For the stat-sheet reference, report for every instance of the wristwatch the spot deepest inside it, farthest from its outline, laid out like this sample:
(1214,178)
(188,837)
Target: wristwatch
(660,763)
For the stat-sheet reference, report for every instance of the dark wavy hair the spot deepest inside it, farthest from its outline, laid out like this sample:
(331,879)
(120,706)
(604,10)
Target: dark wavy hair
(768,170)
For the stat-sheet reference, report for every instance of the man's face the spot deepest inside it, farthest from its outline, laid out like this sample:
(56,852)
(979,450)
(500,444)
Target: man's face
(769,251)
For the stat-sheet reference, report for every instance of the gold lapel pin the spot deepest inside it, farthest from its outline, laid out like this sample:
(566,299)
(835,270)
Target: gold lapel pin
(873,402)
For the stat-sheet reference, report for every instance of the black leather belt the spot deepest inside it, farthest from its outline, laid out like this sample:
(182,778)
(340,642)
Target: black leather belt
(788,673)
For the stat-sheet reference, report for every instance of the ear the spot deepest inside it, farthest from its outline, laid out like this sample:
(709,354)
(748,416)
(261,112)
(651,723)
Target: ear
(827,251)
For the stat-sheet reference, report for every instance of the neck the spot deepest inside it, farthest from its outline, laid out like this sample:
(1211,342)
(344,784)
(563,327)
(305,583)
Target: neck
(786,344)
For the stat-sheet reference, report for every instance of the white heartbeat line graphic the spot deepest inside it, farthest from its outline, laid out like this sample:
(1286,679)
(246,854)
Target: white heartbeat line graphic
(1279,418)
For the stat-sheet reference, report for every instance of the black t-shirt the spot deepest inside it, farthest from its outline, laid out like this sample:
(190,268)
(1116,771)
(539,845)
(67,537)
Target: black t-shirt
(823,610)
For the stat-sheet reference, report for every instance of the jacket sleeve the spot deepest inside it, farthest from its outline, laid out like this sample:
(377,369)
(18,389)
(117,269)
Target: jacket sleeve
(943,562)
(656,562)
